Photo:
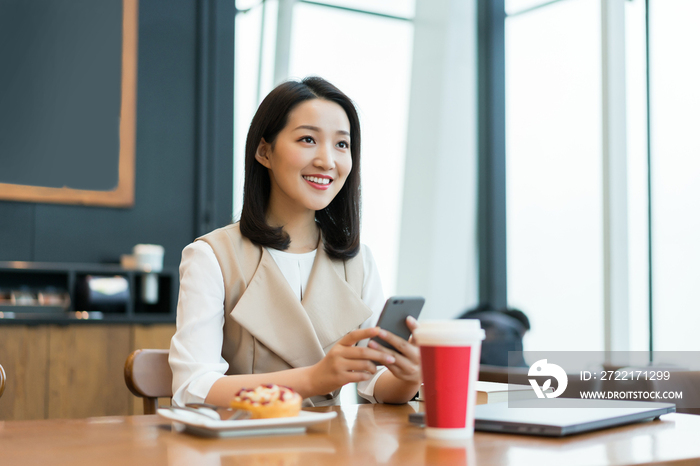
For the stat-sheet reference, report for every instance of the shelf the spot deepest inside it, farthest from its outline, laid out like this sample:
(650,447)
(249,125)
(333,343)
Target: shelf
(21,281)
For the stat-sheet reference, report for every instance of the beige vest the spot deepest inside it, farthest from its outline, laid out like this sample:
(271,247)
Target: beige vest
(266,328)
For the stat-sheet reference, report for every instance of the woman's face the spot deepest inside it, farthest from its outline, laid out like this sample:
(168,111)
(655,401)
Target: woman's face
(311,157)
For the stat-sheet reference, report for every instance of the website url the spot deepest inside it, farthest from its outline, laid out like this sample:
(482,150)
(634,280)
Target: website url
(632,395)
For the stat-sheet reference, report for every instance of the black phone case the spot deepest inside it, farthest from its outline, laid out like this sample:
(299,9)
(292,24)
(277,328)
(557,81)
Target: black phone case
(393,317)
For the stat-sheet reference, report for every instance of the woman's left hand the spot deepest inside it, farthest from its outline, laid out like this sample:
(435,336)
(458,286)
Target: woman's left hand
(407,364)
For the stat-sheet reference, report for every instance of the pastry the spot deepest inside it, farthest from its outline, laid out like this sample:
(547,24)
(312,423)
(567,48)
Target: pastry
(268,401)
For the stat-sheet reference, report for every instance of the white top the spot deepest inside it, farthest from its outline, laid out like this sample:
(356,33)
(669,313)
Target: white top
(196,346)
(296,268)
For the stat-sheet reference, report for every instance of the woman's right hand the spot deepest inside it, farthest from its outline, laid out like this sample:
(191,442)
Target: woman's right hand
(346,363)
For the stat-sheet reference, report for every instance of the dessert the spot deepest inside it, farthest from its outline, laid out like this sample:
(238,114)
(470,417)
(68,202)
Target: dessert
(268,401)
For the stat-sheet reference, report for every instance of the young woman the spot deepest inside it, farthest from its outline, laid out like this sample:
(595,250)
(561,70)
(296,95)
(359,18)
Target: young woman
(288,295)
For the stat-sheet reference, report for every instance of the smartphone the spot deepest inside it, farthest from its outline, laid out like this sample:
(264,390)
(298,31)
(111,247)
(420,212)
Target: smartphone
(393,316)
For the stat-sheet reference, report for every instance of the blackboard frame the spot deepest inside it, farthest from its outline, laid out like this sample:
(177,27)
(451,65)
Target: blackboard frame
(123,194)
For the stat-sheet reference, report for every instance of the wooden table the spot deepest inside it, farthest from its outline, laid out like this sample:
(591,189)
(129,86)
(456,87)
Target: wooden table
(360,435)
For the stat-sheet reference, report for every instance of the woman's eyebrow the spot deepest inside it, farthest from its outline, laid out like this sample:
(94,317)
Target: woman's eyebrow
(309,127)
(318,130)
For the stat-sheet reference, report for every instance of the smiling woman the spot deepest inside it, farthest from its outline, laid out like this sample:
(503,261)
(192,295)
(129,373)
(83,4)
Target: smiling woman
(288,295)
(306,128)
(308,164)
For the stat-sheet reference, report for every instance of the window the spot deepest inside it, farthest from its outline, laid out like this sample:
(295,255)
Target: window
(367,54)
(556,186)
(554,177)
(675,167)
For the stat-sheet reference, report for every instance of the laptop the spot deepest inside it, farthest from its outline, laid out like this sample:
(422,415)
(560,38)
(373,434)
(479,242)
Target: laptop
(558,417)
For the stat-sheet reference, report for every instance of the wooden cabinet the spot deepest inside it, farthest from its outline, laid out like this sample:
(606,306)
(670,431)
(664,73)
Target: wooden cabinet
(24,355)
(72,371)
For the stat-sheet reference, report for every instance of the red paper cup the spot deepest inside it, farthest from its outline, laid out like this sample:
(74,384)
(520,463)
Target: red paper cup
(450,352)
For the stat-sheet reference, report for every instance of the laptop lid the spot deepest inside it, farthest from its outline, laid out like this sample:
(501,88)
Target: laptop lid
(558,417)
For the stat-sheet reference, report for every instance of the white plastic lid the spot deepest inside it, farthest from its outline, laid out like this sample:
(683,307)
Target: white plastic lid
(449,332)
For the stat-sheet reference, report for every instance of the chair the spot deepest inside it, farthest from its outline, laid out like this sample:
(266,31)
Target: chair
(147,374)
(2,380)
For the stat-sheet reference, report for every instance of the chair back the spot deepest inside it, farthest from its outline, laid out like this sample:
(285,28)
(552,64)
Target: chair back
(147,374)
(2,380)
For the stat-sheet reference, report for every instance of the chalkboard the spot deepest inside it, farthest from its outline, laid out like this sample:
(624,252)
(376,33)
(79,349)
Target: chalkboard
(67,101)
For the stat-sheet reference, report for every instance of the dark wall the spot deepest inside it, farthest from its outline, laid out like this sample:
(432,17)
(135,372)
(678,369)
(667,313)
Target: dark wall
(172,77)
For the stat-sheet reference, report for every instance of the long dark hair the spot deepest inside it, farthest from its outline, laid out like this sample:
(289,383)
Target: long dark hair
(340,220)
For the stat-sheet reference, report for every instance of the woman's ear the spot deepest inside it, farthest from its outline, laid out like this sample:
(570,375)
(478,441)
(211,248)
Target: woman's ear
(262,155)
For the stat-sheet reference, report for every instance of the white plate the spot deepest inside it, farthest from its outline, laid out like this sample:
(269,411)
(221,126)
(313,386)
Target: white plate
(199,425)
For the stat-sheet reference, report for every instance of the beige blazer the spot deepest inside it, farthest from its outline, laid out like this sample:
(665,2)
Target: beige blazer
(266,328)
